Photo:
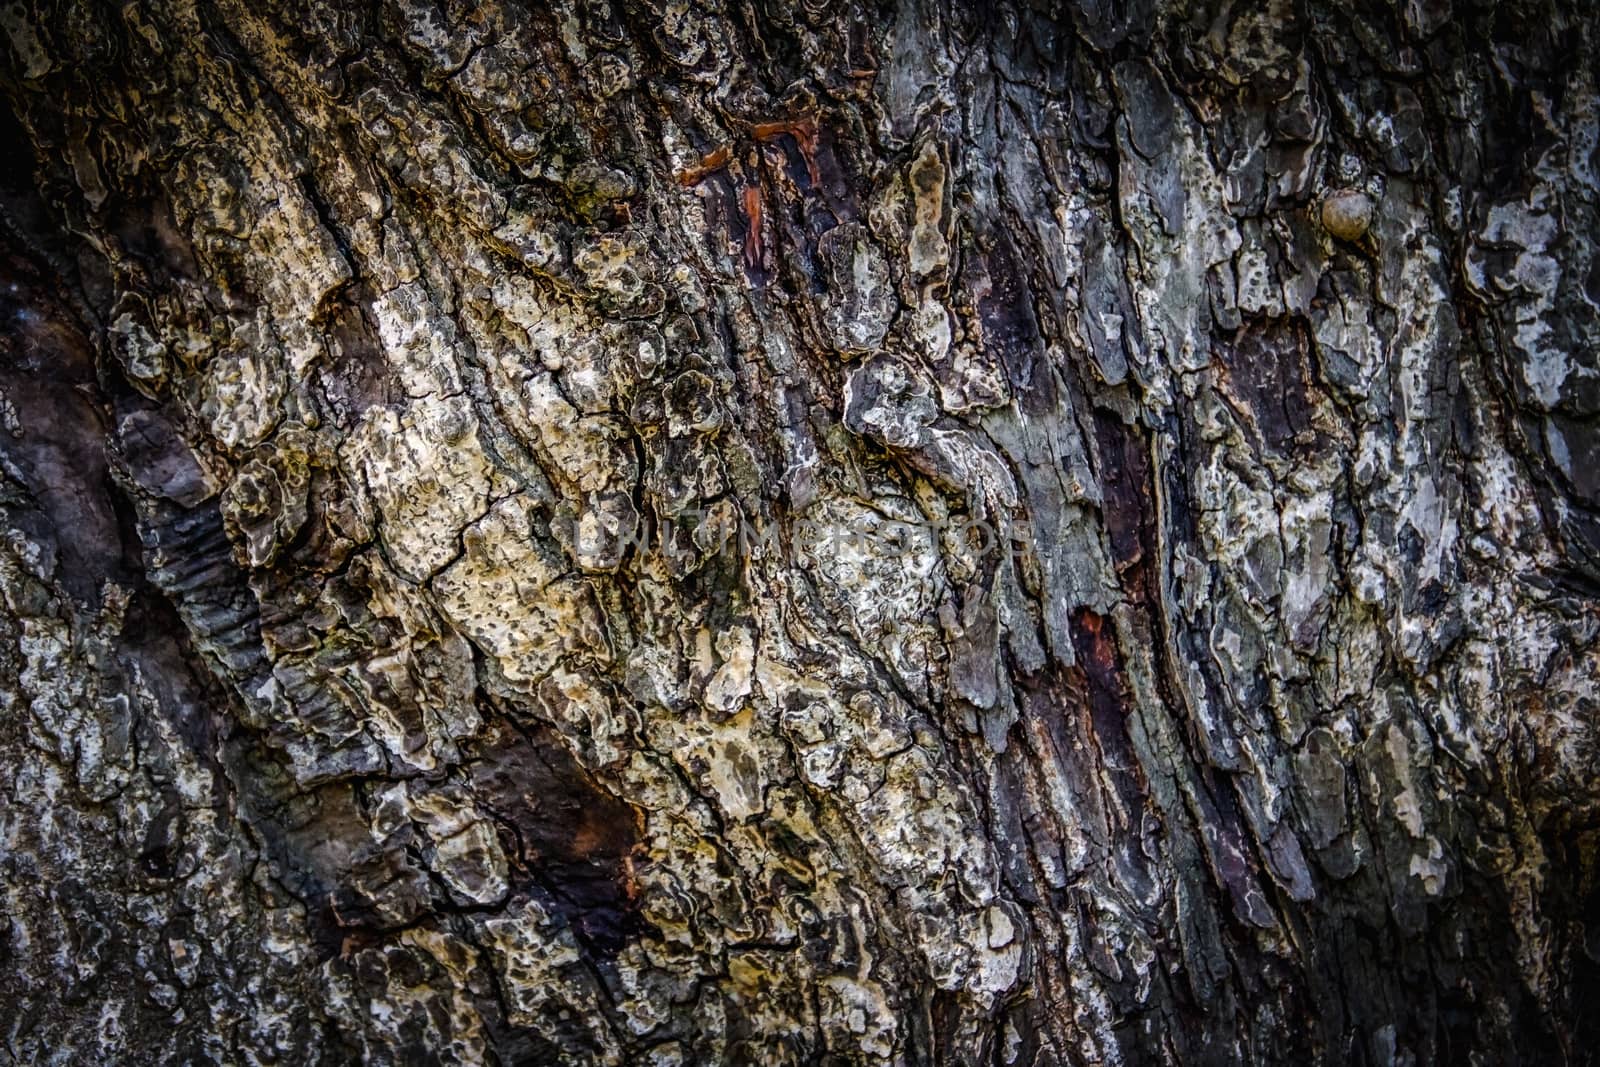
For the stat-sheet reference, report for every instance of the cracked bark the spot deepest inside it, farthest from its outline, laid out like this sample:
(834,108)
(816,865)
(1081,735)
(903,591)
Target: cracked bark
(345,348)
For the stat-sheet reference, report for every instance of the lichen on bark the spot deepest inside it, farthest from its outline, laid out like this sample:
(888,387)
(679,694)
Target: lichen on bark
(631,532)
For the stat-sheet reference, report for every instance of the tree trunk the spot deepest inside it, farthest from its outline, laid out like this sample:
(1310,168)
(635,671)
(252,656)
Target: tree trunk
(751,532)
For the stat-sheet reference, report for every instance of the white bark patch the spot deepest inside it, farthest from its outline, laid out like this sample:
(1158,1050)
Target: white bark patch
(428,477)
(509,598)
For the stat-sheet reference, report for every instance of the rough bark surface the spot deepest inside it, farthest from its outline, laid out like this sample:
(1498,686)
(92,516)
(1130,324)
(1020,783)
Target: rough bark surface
(344,347)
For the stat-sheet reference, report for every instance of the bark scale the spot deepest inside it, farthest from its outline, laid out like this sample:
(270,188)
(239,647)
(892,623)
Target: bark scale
(920,533)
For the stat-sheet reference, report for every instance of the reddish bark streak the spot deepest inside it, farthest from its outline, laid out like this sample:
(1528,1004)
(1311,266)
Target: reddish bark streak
(714,161)
(1097,643)
(804,132)
(751,201)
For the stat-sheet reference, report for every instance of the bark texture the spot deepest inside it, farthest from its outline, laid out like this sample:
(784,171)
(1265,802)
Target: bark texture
(344,346)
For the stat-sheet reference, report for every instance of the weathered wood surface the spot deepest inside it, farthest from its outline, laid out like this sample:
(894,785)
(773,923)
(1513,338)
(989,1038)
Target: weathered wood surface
(345,350)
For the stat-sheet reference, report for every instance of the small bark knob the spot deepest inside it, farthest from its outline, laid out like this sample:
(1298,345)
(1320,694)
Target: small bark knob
(1347,214)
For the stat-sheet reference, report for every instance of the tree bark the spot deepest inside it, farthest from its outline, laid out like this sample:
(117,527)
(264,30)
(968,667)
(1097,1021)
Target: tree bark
(742,532)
